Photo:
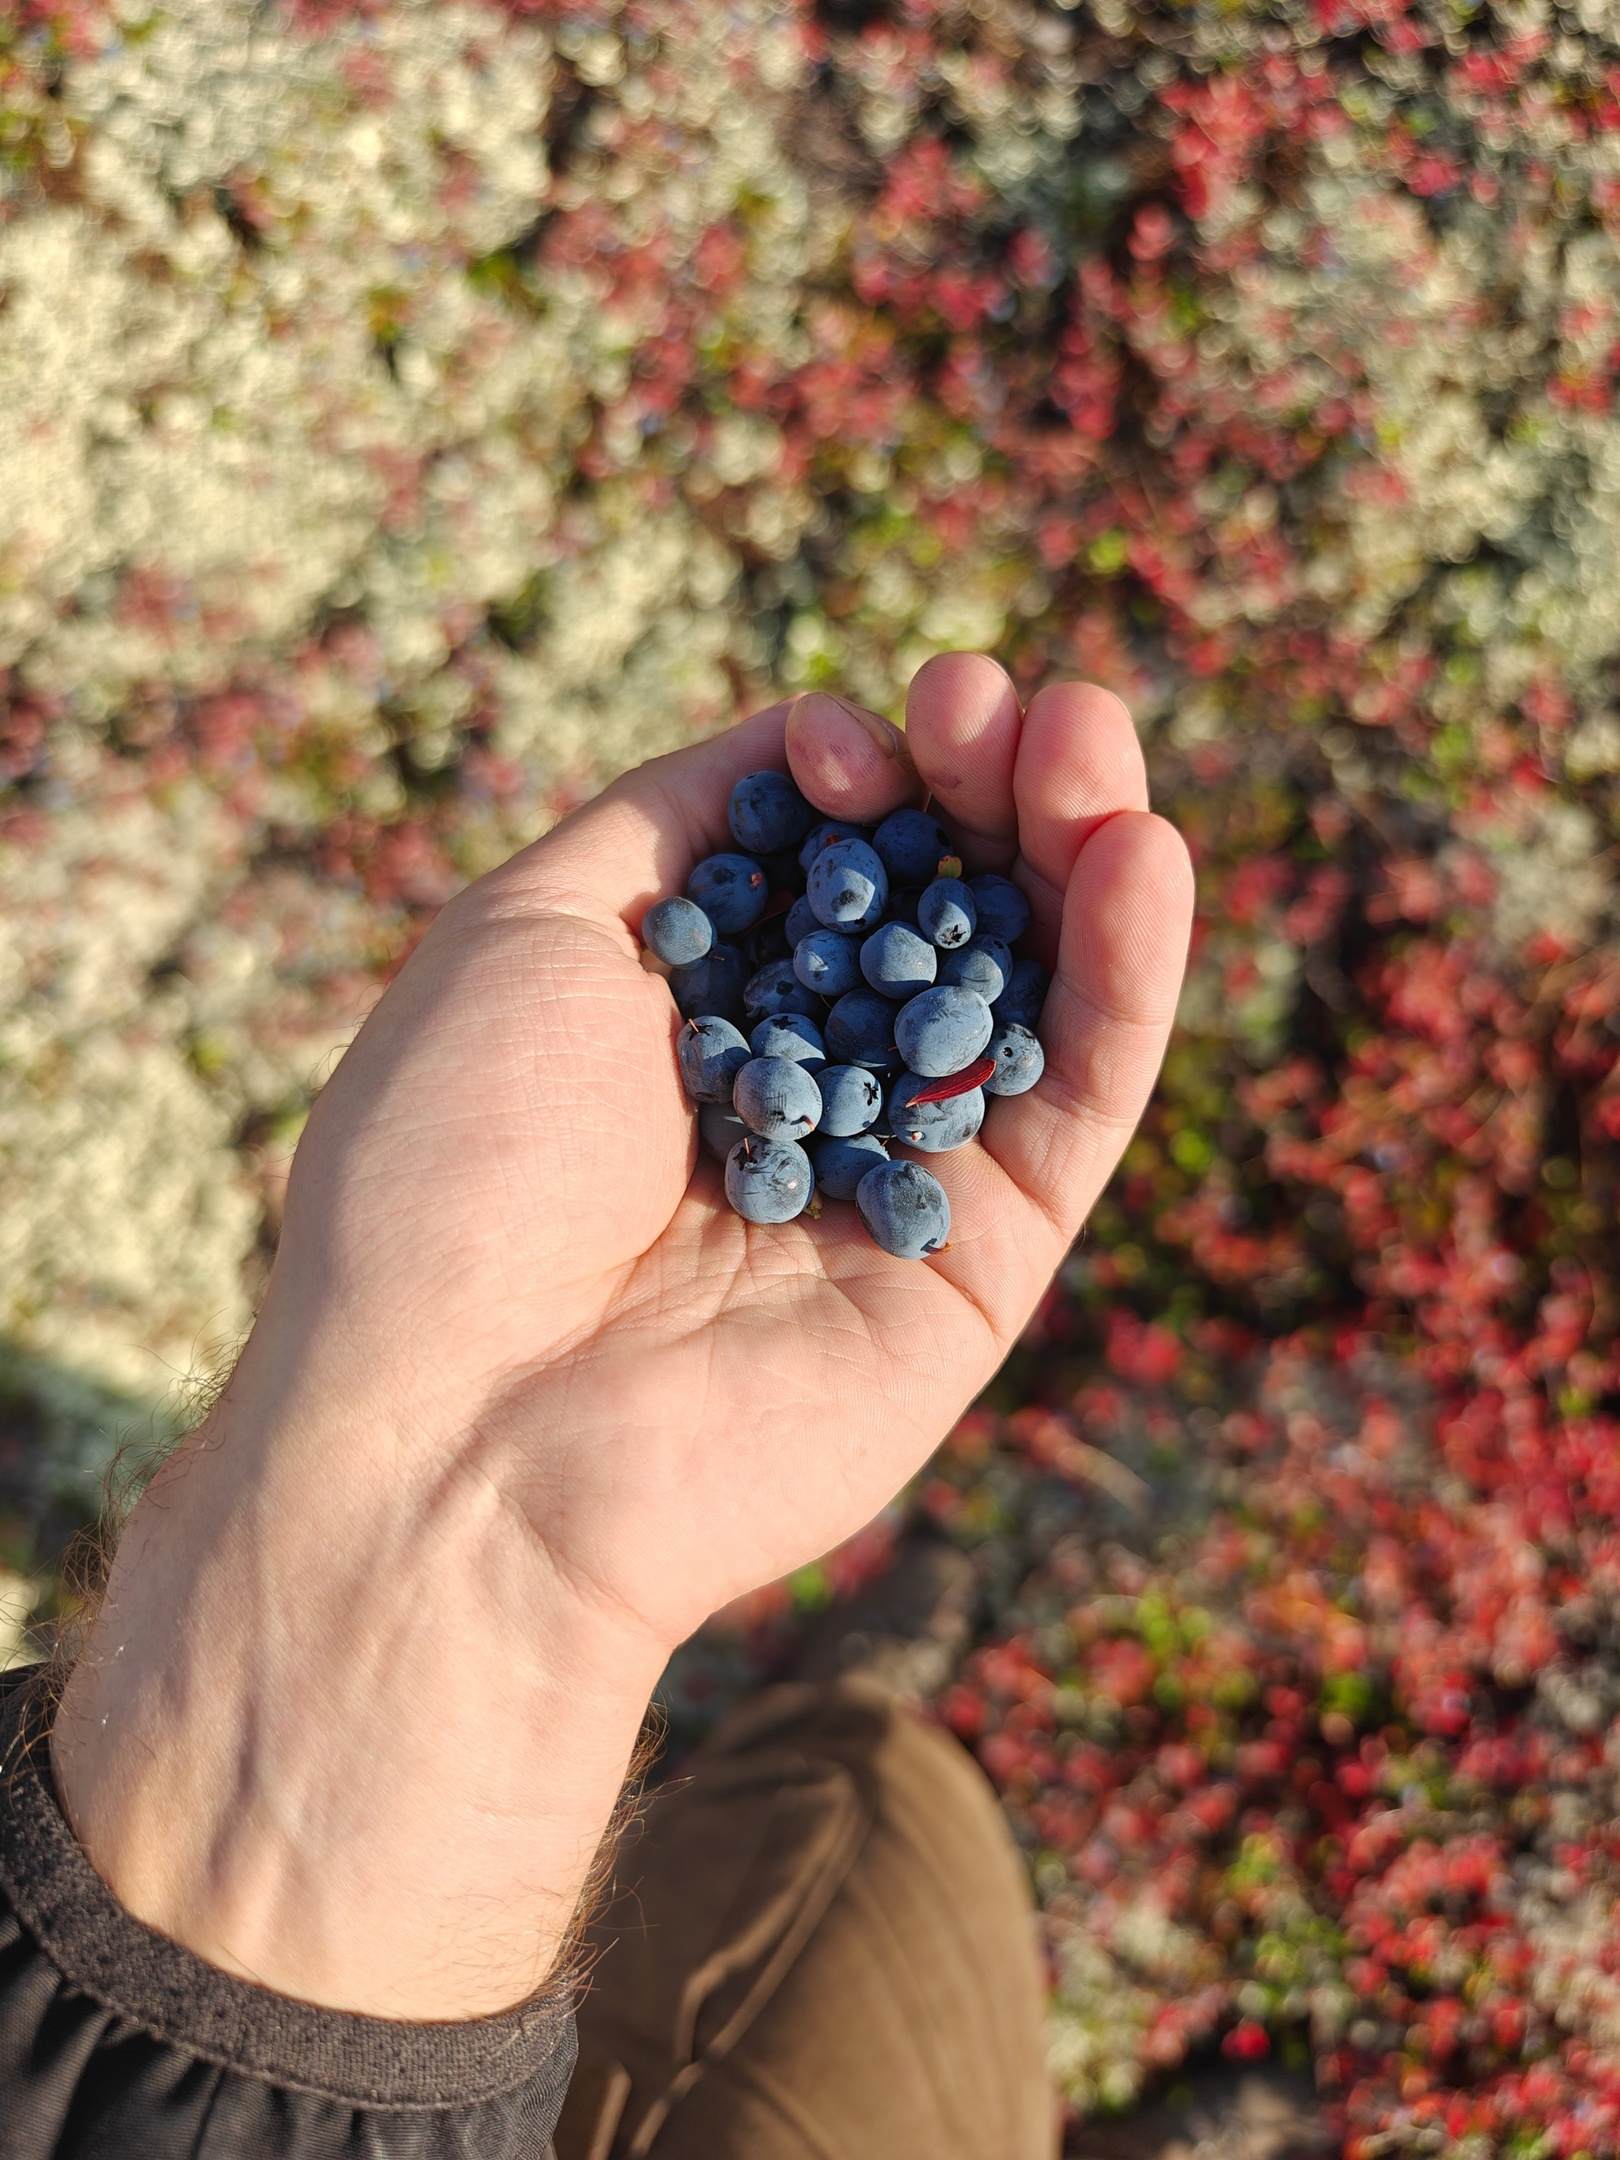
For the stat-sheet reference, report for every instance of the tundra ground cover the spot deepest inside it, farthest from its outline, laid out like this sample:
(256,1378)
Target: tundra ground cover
(409,415)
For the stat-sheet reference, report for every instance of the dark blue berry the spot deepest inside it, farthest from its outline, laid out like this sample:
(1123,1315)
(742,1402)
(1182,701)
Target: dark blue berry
(911,846)
(840,1162)
(935,1127)
(731,890)
(851,1100)
(897,961)
(848,886)
(677,932)
(828,962)
(769,1181)
(767,814)
(1021,1002)
(776,989)
(790,1035)
(985,966)
(713,984)
(720,1128)
(777,1099)
(904,1209)
(711,1054)
(939,1032)
(860,1031)
(948,913)
(1003,910)
(822,835)
(1020,1061)
(799,922)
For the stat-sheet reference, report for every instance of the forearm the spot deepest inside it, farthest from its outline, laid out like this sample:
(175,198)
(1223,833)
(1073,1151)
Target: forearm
(345,1735)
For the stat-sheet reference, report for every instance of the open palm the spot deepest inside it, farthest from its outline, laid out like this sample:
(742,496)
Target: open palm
(496,1213)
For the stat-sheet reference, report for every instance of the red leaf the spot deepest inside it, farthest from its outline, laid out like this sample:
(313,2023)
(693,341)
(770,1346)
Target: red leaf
(971,1076)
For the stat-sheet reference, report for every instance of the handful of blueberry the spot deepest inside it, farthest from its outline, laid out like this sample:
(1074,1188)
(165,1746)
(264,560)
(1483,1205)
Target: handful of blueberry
(883,1002)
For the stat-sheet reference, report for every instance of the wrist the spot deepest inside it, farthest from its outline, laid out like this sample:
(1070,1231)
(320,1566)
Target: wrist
(348,1734)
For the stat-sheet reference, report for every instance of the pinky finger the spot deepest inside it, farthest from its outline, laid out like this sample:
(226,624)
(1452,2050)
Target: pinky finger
(1126,920)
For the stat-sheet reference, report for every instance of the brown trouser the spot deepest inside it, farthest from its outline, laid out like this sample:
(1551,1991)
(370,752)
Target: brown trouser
(821,1948)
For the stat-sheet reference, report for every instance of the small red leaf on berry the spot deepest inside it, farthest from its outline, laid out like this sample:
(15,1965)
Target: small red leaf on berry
(971,1076)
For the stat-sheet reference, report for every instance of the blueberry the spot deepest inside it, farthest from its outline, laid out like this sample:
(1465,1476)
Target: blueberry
(720,1128)
(792,1036)
(713,984)
(948,913)
(677,932)
(904,1209)
(800,921)
(731,890)
(848,886)
(828,963)
(902,907)
(767,814)
(985,966)
(777,1099)
(1020,1061)
(940,1031)
(860,1031)
(935,1127)
(712,1053)
(1003,910)
(776,989)
(910,845)
(820,836)
(898,961)
(1021,1002)
(769,1181)
(767,941)
(851,1100)
(841,1162)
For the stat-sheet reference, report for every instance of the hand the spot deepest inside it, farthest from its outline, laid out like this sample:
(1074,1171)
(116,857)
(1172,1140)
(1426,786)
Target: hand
(527,1401)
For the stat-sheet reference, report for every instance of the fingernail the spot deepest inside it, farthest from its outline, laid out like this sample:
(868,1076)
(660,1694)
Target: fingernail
(886,737)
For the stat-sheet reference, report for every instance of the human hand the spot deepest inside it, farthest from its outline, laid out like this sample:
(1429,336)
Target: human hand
(516,1347)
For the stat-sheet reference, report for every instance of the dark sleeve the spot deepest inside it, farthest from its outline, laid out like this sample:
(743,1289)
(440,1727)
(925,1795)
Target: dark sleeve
(117,2044)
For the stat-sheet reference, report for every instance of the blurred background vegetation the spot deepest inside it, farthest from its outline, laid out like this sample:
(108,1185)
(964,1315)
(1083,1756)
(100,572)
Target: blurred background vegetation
(411,414)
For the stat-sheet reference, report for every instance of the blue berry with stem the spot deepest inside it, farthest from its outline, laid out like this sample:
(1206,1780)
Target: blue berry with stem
(904,1209)
(769,1181)
(941,1031)
(1003,910)
(947,913)
(711,1053)
(1020,1060)
(777,1099)
(791,1036)
(847,886)
(935,1127)
(677,932)
(985,966)
(731,890)
(767,814)
(840,1162)
(897,961)
(713,984)
(851,1100)
(828,962)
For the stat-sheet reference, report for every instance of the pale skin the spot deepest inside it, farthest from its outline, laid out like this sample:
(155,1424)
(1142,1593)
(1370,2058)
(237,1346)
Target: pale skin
(526,1401)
